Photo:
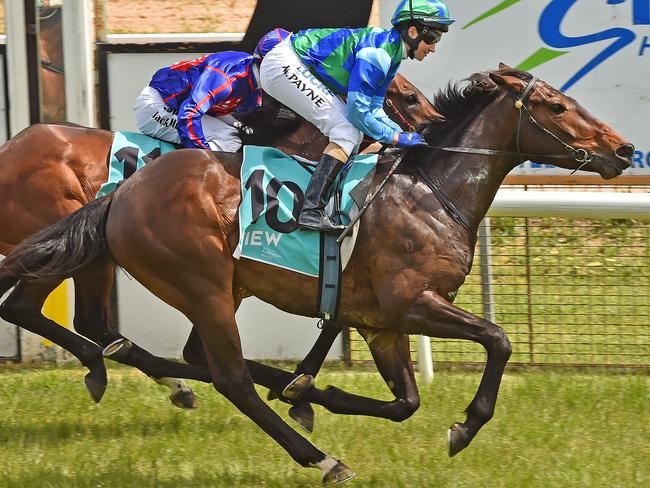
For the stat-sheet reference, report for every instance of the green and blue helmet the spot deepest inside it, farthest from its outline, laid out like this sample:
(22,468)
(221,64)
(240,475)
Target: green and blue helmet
(430,13)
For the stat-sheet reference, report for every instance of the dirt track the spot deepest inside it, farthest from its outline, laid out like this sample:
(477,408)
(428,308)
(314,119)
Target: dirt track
(150,16)
(165,16)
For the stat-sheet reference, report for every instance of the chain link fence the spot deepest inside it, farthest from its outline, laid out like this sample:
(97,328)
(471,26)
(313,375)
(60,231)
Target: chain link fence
(567,292)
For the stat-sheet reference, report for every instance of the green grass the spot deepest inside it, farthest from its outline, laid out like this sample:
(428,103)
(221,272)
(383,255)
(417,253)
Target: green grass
(551,429)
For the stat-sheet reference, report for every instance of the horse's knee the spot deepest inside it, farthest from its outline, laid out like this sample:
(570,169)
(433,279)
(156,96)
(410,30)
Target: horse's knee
(404,408)
(497,342)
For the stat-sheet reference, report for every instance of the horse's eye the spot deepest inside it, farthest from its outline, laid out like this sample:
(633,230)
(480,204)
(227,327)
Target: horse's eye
(412,99)
(557,109)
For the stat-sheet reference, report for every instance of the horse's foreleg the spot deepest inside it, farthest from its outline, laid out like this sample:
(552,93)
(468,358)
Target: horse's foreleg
(293,390)
(275,379)
(204,299)
(23,308)
(434,316)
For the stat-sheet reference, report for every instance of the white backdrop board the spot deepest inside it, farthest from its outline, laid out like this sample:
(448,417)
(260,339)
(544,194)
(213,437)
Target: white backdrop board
(8,337)
(597,51)
(266,332)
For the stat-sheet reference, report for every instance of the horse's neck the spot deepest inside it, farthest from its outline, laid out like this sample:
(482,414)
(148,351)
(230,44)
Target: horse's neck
(471,180)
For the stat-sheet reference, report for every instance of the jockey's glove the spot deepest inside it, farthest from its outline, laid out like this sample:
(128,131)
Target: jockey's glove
(410,139)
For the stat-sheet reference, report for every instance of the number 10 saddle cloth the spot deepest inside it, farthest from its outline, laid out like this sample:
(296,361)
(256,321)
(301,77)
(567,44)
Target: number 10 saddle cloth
(273,186)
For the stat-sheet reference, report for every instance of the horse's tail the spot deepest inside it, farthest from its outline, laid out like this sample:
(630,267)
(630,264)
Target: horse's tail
(58,251)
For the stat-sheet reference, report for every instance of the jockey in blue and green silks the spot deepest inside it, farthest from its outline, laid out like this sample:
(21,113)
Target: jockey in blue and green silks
(310,71)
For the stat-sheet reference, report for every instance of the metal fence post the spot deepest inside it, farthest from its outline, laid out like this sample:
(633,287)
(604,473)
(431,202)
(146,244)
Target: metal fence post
(485,251)
(425,361)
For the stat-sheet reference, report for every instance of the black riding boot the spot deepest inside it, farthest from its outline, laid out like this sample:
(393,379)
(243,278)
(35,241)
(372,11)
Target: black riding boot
(312,215)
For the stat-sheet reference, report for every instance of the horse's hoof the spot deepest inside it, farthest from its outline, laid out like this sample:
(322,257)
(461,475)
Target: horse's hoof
(297,388)
(95,383)
(458,438)
(303,415)
(340,473)
(118,350)
(184,399)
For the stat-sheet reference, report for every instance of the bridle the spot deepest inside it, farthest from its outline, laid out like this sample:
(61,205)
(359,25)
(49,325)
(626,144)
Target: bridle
(580,155)
(50,66)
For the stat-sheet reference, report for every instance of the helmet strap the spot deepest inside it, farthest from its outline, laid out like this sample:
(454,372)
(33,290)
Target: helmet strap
(412,43)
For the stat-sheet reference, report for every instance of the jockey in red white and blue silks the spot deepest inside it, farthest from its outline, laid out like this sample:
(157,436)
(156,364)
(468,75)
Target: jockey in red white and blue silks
(314,68)
(191,102)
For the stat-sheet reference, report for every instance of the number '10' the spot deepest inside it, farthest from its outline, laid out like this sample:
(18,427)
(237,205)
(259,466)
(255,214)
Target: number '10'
(255,184)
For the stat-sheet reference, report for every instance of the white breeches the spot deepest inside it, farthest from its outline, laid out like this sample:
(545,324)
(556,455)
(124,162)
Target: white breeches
(285,77)
(158,120)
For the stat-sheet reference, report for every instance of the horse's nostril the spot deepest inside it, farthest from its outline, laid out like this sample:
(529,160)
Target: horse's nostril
(626,151)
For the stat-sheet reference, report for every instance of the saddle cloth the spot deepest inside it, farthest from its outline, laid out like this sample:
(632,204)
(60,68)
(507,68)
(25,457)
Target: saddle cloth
(273,186)
(130,152)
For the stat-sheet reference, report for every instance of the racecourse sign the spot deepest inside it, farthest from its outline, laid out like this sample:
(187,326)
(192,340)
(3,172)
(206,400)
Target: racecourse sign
(597,51)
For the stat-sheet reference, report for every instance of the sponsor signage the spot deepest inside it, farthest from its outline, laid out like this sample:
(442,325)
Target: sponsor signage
(596,51)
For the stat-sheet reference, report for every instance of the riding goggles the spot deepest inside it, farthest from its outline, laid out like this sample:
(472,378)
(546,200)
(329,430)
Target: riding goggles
(431,36)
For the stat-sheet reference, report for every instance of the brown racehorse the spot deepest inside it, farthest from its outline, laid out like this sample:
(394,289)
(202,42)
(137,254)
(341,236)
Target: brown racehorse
(414,248)
(50,170)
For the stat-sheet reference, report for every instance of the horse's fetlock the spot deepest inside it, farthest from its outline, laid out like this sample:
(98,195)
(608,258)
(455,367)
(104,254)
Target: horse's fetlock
(90,355)
(481,410)
(404,408)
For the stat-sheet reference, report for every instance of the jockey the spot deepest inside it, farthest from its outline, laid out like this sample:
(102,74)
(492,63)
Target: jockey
(311,70)
(191,102)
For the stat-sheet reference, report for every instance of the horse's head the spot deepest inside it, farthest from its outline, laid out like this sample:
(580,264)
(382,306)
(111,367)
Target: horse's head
(553,123)
(407,105)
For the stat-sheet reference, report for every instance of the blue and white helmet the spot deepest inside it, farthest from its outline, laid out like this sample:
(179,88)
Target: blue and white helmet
(429,13)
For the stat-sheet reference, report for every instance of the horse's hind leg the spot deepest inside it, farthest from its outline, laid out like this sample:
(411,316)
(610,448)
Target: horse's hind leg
(93,320)
(392,356)
(23,308)
(434,316)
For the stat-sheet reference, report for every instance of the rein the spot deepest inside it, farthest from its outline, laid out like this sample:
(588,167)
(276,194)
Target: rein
(50,66)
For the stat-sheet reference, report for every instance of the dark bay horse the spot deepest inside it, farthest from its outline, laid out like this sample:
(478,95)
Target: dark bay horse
(414,249)
(50,170)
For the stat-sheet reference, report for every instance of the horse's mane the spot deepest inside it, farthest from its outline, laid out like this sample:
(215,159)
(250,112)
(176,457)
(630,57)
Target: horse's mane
(461,101)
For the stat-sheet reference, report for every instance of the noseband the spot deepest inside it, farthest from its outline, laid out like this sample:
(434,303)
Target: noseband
(580,155)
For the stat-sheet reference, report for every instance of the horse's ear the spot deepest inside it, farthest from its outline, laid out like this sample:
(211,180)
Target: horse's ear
(504,66)
(509,83)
